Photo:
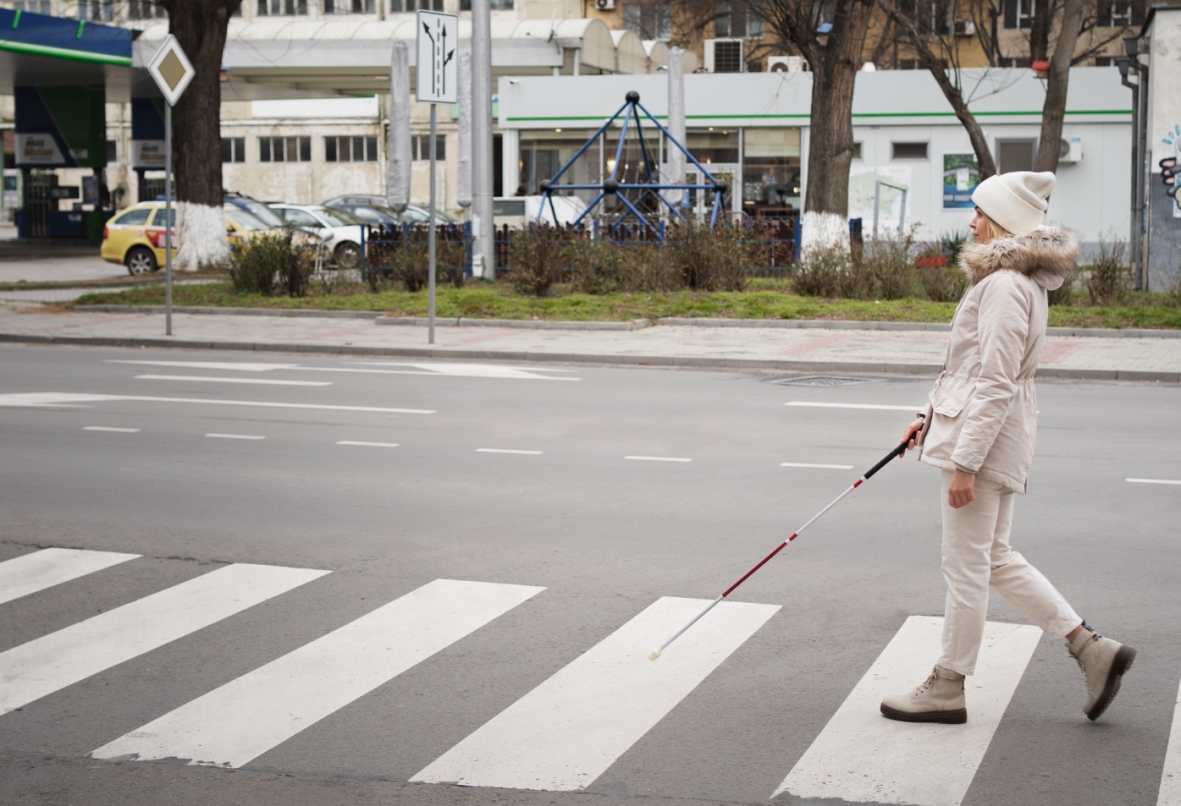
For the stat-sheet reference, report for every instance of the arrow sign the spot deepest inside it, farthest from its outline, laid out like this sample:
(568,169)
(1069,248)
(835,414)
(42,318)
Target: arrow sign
(436,67)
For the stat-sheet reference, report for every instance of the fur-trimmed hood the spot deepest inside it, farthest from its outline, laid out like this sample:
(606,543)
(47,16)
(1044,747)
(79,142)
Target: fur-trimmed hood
(1046,255)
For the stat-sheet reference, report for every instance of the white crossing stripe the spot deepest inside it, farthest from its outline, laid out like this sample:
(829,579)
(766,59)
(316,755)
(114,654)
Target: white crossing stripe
(52,662)
(43,569)
(862,757)
(248,716)
(464,370)
(875,406)
(210,379)
(818,467)
(1170,779)
(1154,481)
(240,366)
(570,729)
(68,399)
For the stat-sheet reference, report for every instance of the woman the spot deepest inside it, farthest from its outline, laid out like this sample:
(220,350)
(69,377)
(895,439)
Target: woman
(979,431)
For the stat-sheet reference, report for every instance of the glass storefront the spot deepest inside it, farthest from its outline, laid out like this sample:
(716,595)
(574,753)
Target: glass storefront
(771,172)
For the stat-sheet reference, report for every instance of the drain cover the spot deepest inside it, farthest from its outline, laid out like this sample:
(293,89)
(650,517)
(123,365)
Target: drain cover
(818,380)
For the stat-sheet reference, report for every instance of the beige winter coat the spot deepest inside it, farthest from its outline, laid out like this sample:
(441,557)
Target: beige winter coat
(982,416)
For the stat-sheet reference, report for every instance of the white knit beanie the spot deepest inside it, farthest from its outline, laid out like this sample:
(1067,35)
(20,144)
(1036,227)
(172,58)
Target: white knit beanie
(1017,200)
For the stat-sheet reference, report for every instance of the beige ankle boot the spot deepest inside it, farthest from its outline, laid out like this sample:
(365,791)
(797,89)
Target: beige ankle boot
(1104,662)
(939,699)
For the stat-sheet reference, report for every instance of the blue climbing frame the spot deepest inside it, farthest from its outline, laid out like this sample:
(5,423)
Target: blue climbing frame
(611,186)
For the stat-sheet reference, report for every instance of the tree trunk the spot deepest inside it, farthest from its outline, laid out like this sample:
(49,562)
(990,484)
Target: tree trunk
(200,28)
(830,138)
(1054,107)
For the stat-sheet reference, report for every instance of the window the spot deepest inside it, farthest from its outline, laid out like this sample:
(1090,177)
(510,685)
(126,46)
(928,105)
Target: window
(1015,155)
(299,218)
(648,20)
(397,6)
(932,16)
(727,56)
(284,149)
(350,149)
(233,149)
(1019,14)
(916,64)
(1119,14)
(734,21)
(135,217)
(1104,61)
(348,6)
(857,151)
(112,151)
(771,170)
(144,10)
(277,8)
(909,151)
(34,6)
(421,146)
(96,10)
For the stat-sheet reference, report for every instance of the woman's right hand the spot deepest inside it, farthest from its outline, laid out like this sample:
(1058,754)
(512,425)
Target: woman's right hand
(910,435)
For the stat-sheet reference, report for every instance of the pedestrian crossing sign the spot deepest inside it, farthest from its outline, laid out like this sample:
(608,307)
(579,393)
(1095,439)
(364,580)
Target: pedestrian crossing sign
(436,65)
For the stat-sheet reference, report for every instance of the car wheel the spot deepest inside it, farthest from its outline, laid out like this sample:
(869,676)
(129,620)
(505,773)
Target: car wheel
(348,255)
(140,260)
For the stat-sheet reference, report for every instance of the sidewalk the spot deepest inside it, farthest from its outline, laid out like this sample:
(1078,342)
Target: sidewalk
(788,349)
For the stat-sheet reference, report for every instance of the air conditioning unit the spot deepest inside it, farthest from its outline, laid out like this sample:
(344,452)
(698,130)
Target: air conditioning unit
(787,64)
(1070,150)
(965,28)
(724,56)
(605,5)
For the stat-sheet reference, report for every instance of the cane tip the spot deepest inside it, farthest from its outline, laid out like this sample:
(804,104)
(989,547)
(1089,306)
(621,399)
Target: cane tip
(654,654)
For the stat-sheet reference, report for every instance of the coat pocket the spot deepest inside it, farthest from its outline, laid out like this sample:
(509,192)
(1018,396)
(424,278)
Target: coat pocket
(951,395)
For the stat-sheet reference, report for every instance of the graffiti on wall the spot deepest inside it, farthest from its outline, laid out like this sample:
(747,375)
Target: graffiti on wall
(1172,139)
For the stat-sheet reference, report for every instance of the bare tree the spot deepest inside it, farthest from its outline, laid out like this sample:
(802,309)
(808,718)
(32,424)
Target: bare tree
(200,28)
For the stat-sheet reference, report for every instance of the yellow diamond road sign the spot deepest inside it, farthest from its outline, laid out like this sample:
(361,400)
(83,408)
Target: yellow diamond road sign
(171,70)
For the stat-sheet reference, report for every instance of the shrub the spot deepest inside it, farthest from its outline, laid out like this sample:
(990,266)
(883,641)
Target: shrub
(950,244)
(535,259)
(942,283)
(1107,283)
(888,267)
(707,259)
(1064,294)
(271,264)
(819,272)
(406,260)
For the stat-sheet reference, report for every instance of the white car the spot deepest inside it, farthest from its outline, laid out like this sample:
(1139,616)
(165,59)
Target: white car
(341,231)
(517,211)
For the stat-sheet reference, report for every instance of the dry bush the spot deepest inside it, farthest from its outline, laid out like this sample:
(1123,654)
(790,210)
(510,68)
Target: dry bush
(1107,283)
(707,259)
(889,267)
(535,259)
(271,265)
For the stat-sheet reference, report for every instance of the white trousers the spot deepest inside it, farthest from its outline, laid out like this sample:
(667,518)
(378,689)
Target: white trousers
(976,554)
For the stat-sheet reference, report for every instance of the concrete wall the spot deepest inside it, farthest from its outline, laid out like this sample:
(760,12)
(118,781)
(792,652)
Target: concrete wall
(1164,140)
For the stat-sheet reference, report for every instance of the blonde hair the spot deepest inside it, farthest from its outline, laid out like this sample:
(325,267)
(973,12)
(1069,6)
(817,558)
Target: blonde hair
(992,230)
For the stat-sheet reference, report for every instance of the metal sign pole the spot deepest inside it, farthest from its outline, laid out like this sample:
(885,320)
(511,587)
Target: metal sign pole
(167,219)
(431,235)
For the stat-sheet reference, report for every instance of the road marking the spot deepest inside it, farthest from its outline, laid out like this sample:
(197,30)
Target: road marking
(218,365)
(233,436)
(1170,779)
(507,450)
(874,406)
(241,720)
(369,444)
(819,467)
(464,370)
(657,459)
(66,399)
(862,757)
(206,379)
(43,569)
(1153,481)
(52,662)
(565,733)
(108,428)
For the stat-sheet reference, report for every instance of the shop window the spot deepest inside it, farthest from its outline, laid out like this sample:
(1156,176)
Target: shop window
(771,171)
(282,8)
(350,149)
(284,149)
(908,151)
(420,147)
(233,149)
(1015,155)
(648,20)
(348,6)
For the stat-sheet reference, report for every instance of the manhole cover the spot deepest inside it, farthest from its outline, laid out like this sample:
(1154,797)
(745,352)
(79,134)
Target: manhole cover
(818,380)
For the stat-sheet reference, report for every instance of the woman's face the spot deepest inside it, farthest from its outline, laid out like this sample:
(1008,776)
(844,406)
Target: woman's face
(978,227)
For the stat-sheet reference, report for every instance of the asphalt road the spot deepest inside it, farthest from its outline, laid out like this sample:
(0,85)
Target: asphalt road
(605,536)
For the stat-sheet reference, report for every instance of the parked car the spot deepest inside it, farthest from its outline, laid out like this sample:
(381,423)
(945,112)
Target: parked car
(414,214)
(136,237)
(339,229)
(256,208)
(517,211)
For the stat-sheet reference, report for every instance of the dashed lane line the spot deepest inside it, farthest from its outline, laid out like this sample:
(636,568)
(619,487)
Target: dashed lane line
(111,429)
(817,467)
(210,379)
(68,399)
(368,444)
(508,450)
(872,406)
(1153,481)
(234,436)
(658,458)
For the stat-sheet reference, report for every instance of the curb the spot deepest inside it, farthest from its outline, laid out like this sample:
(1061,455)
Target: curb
(874,367)
(527,324)
(637,324)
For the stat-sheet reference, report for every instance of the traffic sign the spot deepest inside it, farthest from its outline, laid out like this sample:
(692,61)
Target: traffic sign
(437,68)
(171,70)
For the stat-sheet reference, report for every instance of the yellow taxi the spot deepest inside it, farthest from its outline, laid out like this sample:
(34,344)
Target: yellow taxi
(135,237)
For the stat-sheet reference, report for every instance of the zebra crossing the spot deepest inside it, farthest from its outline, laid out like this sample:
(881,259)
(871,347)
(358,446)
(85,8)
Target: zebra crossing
(562,735)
